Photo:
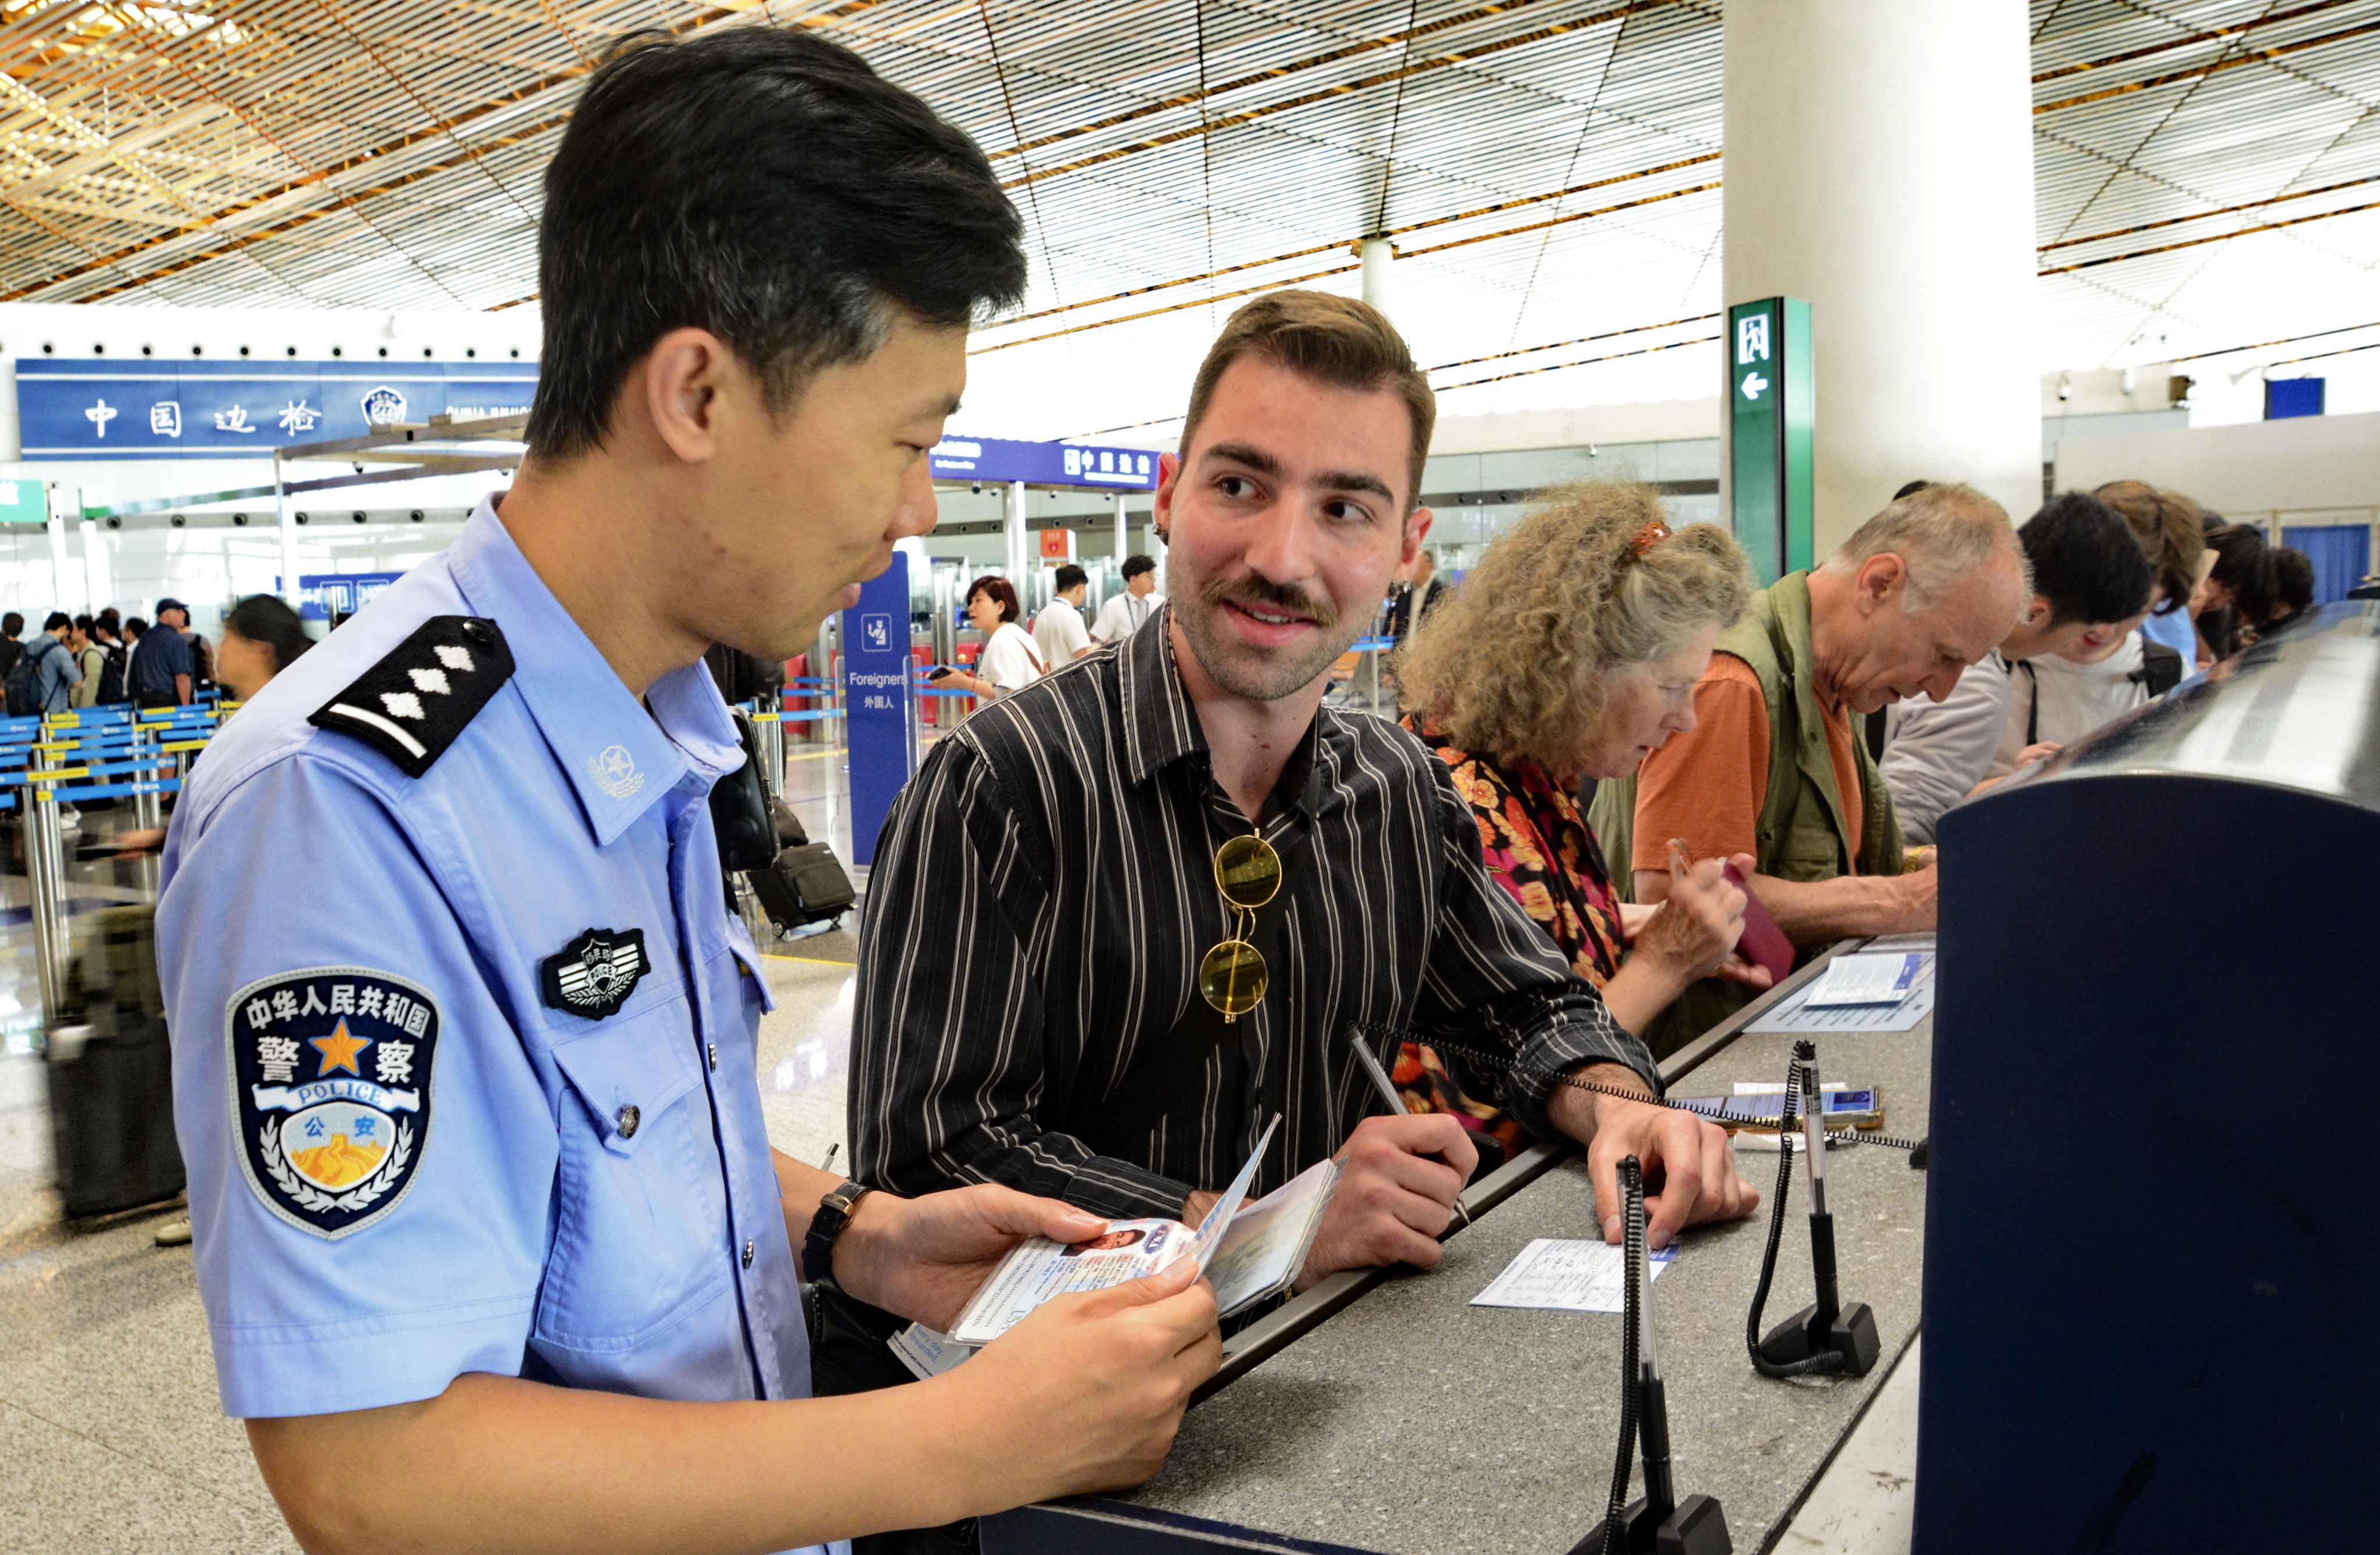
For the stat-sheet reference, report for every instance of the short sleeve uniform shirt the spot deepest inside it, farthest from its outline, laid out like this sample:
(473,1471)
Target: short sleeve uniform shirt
(464,1061)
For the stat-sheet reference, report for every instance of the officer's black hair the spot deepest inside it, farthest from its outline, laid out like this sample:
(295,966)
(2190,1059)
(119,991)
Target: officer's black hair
(267,620)
(1133,566)
(2085,562)
(1068,576)
(769,186)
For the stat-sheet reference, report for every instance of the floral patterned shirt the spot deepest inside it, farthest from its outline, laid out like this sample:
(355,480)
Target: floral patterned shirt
(1538,847)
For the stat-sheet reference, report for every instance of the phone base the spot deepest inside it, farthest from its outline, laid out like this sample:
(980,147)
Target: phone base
(1852,1335)
(1696,1526)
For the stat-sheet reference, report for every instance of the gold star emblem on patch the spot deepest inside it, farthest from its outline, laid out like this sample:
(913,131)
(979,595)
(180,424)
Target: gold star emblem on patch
(339,1050)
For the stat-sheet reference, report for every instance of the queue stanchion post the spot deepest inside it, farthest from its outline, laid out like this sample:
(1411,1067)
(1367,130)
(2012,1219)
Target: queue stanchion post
(148,812)
(45,881)
(772,729)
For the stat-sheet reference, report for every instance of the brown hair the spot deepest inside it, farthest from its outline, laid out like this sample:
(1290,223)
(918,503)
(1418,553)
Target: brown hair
(2170,526)
(1333,340)
(1000,592)
(1515,664)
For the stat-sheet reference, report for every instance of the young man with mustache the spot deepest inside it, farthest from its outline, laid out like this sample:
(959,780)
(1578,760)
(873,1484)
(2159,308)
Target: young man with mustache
(1048,893)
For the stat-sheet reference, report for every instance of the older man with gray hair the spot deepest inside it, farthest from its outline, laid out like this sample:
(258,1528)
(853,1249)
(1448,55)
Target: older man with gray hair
(1774,773)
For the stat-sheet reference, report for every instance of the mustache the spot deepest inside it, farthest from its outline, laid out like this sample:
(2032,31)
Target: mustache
(1264,594)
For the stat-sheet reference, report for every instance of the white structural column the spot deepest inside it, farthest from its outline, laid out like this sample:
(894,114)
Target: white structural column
(1879,166)
(1020,544)
(1379,255)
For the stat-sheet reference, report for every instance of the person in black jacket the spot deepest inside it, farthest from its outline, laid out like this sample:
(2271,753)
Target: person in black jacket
(1402,616)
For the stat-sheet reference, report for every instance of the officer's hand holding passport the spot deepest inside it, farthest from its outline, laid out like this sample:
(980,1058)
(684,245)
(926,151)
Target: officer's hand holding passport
(1103,1375)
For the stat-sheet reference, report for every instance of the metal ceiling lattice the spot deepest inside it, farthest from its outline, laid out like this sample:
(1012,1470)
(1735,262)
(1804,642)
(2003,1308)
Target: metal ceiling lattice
(2206,170)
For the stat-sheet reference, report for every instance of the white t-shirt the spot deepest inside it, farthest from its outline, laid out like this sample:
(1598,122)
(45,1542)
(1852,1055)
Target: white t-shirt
(1009,660)
(2076,699)
(1126,614)
(1059,632)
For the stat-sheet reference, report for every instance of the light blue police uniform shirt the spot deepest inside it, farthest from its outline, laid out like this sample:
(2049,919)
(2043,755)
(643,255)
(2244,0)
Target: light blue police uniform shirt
(535,1225)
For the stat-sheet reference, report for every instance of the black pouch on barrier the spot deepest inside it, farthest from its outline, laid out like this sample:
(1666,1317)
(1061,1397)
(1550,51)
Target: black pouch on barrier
(739,810)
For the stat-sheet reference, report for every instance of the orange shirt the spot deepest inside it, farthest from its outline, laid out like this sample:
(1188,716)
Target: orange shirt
(1708,786)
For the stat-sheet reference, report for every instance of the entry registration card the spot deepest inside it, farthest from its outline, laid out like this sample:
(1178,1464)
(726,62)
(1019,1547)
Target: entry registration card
(1556,1276)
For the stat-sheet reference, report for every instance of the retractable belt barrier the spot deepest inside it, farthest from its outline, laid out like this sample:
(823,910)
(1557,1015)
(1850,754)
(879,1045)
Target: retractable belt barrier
(92,753)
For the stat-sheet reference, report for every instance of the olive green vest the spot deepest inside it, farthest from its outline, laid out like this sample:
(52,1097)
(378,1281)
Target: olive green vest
(1802,833)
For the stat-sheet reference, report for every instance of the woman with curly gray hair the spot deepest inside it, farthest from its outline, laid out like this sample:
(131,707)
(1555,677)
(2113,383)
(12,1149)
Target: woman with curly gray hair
(1571,650)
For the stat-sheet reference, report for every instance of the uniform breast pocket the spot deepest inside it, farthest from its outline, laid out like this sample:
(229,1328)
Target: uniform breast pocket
(640,1214)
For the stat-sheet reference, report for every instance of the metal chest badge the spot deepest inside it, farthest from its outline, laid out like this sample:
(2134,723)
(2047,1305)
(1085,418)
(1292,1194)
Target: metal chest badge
(594,974)
(330,1073)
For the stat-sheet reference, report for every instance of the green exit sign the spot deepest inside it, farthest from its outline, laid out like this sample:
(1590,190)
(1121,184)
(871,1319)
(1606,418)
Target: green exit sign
(24,502)
(1772,485)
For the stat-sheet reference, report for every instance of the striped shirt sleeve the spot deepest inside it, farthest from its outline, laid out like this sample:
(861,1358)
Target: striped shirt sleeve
(955,1054)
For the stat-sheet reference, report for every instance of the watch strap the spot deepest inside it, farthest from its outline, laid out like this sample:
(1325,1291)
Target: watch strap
(834,1217)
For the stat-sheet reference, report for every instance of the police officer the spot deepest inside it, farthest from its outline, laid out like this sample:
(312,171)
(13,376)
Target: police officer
(494,1252)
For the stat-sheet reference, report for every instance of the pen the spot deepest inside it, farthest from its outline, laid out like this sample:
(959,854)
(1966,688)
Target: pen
(828,1164)
(1387,1091)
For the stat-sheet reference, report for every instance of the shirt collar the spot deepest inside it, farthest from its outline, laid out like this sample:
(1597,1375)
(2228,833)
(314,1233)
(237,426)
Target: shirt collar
(618,756)
(1160,727)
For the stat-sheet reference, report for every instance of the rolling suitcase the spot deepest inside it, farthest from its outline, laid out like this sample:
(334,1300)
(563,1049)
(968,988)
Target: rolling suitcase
(805,883)
(111,1074)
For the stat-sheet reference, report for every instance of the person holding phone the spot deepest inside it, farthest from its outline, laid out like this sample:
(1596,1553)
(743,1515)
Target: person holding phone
(1010,662)
(1572,652)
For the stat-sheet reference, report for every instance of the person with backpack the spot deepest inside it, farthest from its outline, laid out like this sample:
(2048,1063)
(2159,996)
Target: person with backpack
(12,631)
(2091,583)
(91,657)
(116,659)
(45,674)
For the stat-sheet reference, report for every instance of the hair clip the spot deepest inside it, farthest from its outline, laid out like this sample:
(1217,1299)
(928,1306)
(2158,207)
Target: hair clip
(1645,540)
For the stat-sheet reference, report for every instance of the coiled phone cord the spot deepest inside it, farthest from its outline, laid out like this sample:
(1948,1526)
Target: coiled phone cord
(1826,1361)
(1631,1192)
(1394,1038)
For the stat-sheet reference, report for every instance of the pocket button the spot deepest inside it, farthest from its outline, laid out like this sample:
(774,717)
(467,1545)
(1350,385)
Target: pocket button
(748,1255)
(626,1121)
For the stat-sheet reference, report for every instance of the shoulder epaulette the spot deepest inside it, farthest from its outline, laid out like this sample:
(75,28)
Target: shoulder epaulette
(416,702)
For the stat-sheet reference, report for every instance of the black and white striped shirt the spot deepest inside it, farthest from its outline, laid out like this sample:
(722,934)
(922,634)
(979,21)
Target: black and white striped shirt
(1044,890)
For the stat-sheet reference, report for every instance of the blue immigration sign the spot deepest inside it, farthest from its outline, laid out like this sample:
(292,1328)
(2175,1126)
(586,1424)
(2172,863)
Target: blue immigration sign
(102,408)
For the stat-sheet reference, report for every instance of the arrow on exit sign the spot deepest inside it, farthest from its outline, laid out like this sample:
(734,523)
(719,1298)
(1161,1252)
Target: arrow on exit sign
(1753,384)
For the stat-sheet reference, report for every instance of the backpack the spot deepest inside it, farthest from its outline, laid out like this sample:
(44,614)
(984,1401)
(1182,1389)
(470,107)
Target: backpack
(111,675)
(25,682)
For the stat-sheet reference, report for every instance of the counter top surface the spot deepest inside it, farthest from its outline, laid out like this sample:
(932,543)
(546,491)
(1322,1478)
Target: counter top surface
(1412,1421)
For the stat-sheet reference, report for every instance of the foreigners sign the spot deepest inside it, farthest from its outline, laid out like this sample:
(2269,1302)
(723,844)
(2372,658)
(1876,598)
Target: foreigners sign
(101,408)
(1044,463)
(878,727)
(1771,479)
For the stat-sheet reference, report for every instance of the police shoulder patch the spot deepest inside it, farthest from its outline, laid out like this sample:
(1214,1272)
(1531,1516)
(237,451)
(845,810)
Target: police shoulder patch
(415,702)
(330,1086)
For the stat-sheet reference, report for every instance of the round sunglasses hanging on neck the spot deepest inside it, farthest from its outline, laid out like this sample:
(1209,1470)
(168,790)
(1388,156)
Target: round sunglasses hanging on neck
(1233,976)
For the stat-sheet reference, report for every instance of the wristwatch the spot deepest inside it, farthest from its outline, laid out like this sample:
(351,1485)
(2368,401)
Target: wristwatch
(835,1212)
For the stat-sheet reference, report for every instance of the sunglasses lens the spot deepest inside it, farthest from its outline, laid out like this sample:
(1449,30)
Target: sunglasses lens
(1233,977)
(1247,871)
